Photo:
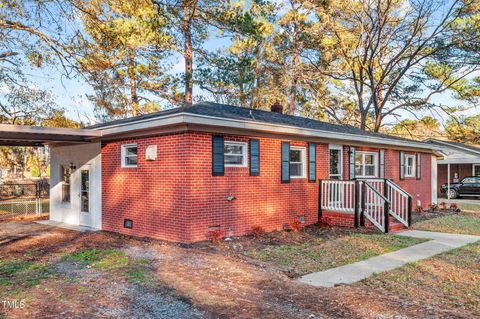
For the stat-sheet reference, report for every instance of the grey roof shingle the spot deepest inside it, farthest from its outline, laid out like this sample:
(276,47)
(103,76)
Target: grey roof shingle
(247,114)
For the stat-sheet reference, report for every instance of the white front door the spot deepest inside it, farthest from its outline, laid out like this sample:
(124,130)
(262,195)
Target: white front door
(336,172)
(84,196)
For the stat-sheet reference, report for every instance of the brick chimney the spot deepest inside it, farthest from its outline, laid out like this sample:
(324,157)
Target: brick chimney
(277,108)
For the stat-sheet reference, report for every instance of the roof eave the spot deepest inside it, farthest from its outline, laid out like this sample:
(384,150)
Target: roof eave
(196,119)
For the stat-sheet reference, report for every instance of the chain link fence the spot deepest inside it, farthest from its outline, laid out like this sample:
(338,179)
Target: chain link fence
(22,200)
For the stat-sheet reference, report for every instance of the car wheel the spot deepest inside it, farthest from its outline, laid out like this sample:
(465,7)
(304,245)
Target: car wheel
(452,193)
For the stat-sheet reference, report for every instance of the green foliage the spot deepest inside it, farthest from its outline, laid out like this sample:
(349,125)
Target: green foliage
(464,129)
(107,259)
(124,54)
(22,273)
(426,127)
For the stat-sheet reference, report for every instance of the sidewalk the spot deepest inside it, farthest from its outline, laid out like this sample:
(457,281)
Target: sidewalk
(348,274)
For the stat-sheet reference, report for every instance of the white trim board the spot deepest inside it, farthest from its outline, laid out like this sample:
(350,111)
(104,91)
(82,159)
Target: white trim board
(194,119)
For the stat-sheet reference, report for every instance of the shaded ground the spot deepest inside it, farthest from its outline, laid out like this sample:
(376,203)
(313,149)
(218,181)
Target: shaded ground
(68,274)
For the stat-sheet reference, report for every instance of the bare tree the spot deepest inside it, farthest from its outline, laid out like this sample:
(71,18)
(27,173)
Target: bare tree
(393,55)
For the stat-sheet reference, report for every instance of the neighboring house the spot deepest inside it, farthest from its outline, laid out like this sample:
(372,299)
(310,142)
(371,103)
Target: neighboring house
(462,160)
(182,173)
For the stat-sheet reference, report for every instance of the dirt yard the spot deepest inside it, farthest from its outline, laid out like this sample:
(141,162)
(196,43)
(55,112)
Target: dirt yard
(50,272)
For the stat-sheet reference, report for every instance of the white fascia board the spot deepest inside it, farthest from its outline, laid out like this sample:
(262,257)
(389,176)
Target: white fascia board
(459,161)
(49,130)
(448,145)
(120,128)
(188,118)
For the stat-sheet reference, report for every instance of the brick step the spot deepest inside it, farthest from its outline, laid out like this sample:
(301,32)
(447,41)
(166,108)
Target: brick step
(396,227)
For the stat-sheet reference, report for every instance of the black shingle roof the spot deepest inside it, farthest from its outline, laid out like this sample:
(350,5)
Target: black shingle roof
(240,113)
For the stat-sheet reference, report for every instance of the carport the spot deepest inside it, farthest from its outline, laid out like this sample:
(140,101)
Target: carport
(63,206)
(21,135)
(462,160)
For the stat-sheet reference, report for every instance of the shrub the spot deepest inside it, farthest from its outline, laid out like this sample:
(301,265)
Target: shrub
(443,205)
(434,207)
(419,209)
(215,236)
(258,231)
(296,225)
(454,206)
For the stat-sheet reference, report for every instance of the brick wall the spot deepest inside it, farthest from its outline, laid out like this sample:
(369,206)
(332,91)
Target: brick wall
(177,198)
(420,189)
(154,195)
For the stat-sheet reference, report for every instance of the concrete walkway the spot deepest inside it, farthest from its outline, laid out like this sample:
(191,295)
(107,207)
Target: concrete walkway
(348,274)
(78,228)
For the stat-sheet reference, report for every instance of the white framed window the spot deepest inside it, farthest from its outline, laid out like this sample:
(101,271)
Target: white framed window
(65,173)
(366,164)
(236,154)
(336,161)
(476,170)
(409,165)
(129,155)
(298,162)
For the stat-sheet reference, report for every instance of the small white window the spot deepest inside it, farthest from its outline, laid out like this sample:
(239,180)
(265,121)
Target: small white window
(366,164)
(297,162)
(236,154)
(129,155)
(409,165)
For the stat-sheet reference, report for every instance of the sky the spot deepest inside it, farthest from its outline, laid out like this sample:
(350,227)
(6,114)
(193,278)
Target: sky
(71,93)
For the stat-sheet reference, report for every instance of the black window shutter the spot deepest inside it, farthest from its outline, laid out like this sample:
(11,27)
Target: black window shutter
(218,161)
(419,166)
(285,162)
(402,165)
(382,163)
(312,162)
(254,157)
(352,162)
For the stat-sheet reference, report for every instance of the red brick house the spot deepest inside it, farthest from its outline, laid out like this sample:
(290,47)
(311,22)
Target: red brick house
(179,174)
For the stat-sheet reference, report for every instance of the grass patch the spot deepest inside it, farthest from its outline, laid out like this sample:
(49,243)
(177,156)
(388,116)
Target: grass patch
(107,259)
(321,254)
(451,279)
(459,224)
(22,273)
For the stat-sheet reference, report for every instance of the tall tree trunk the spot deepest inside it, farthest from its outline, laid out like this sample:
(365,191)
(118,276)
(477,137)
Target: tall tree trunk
(293,86)
(189,9)
(257,74)
(133,83)
(293,96)
(363,120)
(378,110)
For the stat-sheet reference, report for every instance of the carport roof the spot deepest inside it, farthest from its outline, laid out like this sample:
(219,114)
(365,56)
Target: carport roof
(21,135)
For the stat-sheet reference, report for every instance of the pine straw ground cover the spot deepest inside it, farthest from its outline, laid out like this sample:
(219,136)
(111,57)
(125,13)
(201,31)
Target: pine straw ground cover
(65,274)
(317,248)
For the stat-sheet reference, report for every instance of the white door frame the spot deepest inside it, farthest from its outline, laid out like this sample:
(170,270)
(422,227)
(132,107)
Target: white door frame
(85,218)
(339,148)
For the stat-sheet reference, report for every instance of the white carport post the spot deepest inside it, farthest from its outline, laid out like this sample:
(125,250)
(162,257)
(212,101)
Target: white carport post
(448,181)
